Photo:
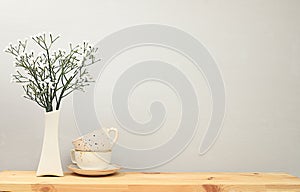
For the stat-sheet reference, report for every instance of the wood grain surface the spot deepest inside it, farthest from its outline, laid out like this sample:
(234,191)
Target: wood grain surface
(26,181)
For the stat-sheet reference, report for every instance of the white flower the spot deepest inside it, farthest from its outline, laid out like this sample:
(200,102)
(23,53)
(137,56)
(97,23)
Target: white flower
(52,85)
(43,64)
(31,59)
(47,80)
(6,48)
(20,56)
(24,83)
(43,83)
(30,78)
(61,50)
(12,79)
(36,35)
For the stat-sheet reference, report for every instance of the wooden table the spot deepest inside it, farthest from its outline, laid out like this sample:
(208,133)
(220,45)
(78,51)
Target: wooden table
(151,182)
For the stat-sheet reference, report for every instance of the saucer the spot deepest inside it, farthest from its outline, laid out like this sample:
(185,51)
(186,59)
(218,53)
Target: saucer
(109,170)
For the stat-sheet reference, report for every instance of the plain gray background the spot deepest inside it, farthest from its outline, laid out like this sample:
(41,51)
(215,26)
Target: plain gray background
(255,43)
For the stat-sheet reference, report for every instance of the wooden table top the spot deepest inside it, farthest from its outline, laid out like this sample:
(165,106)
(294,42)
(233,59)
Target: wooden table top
(139,182)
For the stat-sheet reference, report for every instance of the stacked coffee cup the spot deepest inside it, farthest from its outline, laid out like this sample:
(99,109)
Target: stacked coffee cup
(93,150)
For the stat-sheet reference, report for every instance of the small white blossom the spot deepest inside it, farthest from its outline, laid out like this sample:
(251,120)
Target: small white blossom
(12,79)
(61,50)
(6,48)
(31,59)
(43,64)
(20,57)
(43,83)
(30,78)
(52,85)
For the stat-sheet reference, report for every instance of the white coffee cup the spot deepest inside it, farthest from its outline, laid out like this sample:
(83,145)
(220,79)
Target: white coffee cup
(89,160)
(97,140)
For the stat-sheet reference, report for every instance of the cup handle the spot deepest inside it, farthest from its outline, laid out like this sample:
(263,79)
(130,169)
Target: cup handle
(116,133)
(72,153)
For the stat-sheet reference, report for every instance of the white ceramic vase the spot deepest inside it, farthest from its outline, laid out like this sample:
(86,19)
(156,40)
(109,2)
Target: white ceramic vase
(50,162)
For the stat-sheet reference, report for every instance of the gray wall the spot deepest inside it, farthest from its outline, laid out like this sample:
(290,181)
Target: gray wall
(256,45)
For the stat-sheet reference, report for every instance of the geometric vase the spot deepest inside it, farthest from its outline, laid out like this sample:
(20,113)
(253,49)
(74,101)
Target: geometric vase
(50,163)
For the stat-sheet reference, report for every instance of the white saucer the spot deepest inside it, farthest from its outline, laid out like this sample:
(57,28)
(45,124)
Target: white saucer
(109,170)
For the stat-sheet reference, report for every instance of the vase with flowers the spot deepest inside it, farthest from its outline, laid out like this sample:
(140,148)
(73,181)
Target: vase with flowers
(47,78)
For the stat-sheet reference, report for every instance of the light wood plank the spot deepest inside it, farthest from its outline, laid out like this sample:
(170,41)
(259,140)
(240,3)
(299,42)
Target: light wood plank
(26,181)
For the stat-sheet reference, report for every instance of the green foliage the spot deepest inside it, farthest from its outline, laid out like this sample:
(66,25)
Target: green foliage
(51,75)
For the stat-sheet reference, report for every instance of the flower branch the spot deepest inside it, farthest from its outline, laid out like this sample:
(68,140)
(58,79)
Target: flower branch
(51,75)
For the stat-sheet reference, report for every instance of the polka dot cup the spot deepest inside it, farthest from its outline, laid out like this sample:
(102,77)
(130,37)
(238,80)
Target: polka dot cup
(99,140)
